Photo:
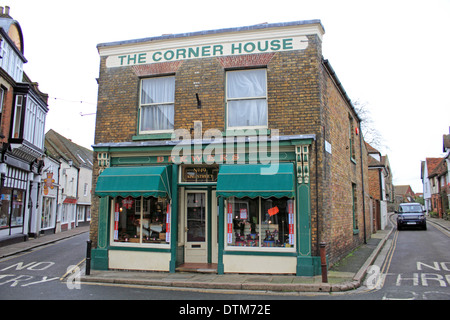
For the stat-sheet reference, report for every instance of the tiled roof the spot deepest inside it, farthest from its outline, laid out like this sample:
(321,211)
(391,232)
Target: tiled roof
(432,163)
(58,147)
(440,169)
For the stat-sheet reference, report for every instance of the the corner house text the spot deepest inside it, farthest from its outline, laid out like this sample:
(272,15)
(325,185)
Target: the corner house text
(208,50)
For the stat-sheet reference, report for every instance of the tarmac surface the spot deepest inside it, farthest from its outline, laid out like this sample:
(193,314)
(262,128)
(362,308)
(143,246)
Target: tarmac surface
(347,274)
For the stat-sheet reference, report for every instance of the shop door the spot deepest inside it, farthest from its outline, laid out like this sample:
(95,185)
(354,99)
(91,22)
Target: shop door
(196,222)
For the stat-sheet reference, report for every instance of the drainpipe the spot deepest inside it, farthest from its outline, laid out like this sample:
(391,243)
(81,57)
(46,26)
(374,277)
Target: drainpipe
(362,181)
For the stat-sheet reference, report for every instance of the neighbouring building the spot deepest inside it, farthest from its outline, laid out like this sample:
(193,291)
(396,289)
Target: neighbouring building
(439,188)
(381,188)
(234,149)
(429,186)
(403,193)
(70,167)
(23,109)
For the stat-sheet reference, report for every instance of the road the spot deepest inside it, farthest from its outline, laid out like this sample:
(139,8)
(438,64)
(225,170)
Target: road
(414,265)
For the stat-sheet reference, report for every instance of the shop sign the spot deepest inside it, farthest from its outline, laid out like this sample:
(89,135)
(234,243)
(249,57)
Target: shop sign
(208,50)
(48,183)
(199,174)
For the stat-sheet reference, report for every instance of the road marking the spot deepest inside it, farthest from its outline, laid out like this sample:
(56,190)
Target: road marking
(71,270)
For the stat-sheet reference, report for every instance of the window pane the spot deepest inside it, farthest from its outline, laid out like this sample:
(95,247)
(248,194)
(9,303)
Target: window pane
(246,84)
(277,226)
(154,220)
(158,90)
(126,220)
(246,113)
(6,207)
(196,217)
(271,225)
(247,98)
(157,117)
(128,225)
(17,208)
(243,222)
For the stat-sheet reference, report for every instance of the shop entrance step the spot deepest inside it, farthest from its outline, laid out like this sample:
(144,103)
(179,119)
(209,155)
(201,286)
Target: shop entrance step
(198,267)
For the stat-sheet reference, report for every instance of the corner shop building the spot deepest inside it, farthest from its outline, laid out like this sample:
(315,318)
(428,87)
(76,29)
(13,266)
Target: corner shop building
(214,148)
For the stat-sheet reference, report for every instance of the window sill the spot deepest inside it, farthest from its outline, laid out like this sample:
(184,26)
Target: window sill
(245,132)
(154,136)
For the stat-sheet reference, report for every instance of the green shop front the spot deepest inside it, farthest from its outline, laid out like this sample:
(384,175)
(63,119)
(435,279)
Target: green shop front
(235,212)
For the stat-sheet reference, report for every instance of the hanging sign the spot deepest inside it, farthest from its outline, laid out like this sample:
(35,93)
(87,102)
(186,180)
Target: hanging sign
(243,214)
(273,211)
(168,223)
(127,202)
(229,222)
(291,221)
(116,222)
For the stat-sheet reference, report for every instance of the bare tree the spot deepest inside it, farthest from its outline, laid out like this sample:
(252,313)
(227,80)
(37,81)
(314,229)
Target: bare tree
(369,131)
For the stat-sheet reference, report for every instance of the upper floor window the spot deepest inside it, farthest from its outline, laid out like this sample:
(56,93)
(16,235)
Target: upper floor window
(247,99)
(351,138)
(157,105)
(29,121)
(11,62)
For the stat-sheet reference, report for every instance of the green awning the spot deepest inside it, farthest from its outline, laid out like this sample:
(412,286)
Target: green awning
(134,182)
(249,180)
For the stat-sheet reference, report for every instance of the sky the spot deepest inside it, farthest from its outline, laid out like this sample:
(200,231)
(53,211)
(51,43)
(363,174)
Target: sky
(392,56)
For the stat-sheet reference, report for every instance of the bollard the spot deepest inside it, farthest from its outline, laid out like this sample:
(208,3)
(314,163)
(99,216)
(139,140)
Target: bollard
(323,261)
(88,257)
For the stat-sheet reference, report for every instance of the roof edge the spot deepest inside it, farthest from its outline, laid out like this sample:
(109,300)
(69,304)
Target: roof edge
(214,31)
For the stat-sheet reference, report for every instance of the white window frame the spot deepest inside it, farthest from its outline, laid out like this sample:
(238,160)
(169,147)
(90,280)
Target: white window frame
(265,126)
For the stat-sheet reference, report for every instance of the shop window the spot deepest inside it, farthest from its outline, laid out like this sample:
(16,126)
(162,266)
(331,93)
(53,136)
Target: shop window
(140,220)
(11,214)
(47,213)
(157,105)
(260,223)
(247,99)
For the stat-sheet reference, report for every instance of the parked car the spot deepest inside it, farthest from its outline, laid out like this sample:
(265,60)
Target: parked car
(411,215)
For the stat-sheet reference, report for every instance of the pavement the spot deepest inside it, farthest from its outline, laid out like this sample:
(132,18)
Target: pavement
(347,274)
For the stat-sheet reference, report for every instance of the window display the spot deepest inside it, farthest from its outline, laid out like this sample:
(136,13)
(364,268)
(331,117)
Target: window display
(141,220)
(260,222)
(11,214)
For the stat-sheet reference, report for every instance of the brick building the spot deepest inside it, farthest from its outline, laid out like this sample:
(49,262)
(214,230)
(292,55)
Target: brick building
(381,188)
(235,149)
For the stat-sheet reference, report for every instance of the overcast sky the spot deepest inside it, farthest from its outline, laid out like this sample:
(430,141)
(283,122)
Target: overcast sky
(391,55)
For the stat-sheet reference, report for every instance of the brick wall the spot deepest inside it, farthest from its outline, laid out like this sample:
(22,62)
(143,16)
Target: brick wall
(374,183)
(341,170)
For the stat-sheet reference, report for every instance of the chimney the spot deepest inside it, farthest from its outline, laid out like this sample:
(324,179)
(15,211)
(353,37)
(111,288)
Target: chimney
(1,10)
(7,10)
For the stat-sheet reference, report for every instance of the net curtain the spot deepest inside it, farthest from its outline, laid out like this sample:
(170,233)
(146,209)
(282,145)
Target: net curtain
(157,104)
(246,93)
